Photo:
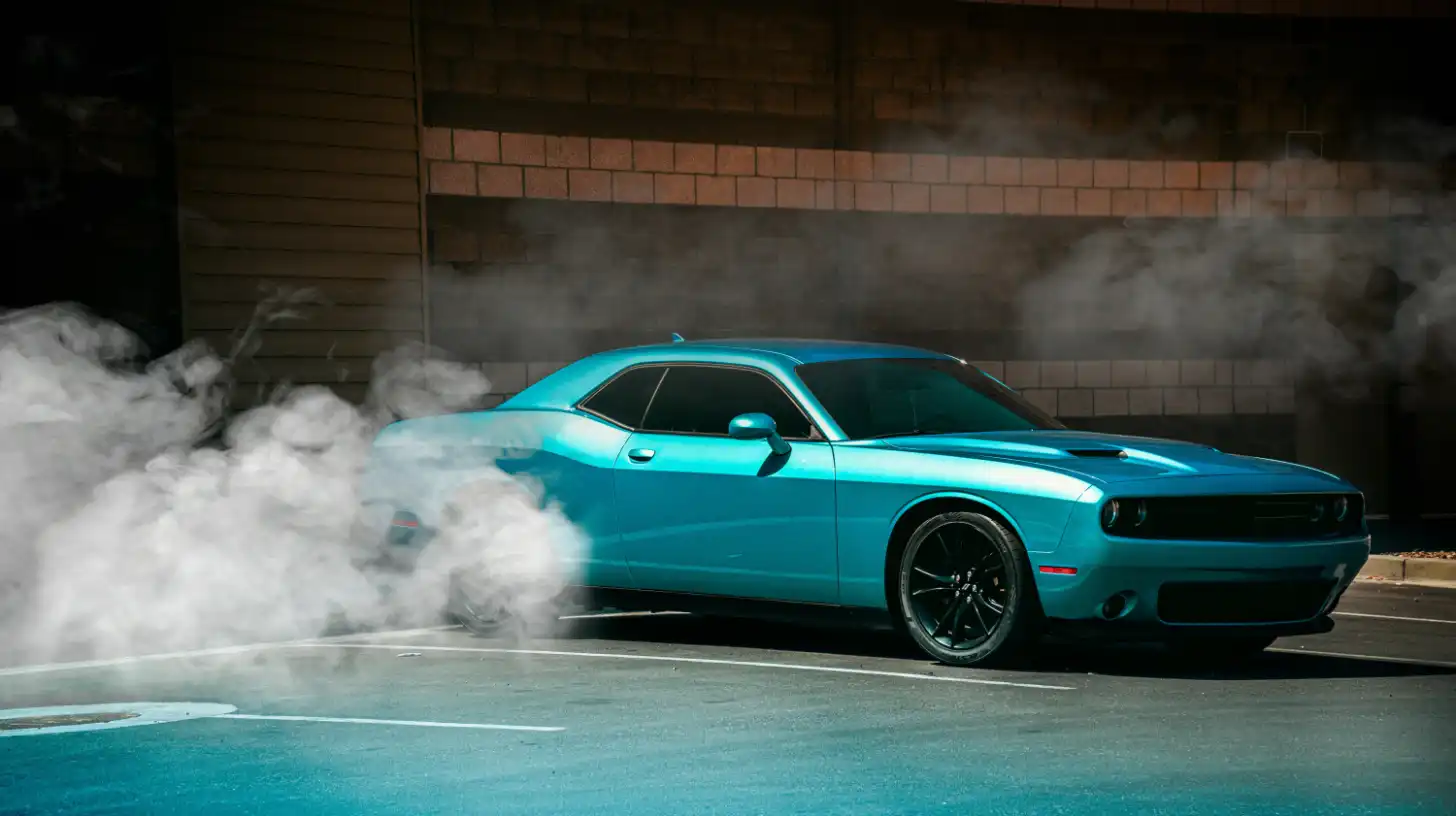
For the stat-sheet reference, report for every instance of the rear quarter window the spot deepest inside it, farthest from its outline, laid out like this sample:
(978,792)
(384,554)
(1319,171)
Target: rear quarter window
(624,398)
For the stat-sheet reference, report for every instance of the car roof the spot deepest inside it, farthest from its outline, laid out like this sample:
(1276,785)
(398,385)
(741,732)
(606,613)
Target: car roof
(561,389)
(799,350)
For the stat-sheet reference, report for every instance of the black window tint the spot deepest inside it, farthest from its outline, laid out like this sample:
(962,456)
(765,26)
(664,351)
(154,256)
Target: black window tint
(701,399)
(625,398)
(892,397)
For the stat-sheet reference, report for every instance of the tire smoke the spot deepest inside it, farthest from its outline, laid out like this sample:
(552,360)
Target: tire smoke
(1344,306)
(141,517)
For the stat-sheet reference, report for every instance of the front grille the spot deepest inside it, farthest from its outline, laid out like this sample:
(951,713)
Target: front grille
(1262,517)
(1242,601)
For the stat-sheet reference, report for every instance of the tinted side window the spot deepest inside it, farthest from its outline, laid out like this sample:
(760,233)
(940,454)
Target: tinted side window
(625,398)
(702,399)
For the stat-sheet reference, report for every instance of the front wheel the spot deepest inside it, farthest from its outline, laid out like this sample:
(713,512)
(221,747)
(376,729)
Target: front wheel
(965,591)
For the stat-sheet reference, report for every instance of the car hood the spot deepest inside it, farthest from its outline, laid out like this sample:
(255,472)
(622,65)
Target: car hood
(1113,459)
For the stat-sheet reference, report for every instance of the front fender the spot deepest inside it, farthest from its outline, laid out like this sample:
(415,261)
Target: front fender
(959,494)
(877,485)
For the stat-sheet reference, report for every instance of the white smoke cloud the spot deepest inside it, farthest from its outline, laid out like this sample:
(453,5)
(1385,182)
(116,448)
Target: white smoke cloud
(1352,300)
(140,517)
(1345,305)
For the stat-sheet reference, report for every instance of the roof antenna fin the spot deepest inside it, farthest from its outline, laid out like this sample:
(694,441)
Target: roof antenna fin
(677,338)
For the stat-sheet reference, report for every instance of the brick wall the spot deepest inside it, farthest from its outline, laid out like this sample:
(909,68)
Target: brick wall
(1313,8)
(551,280)
(1064,82)
(603,173)
(299,167)
(980,78)
(464,162)
(757,68)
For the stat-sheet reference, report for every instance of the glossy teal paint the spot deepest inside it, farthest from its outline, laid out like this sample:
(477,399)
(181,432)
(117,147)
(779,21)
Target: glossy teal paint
(728,516)
(758,426)
(878,481)
(1145,458)
(424,464)
(1106,565)
(575,463)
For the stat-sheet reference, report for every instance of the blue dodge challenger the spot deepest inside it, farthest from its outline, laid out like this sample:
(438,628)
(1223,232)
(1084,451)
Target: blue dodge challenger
(891,486)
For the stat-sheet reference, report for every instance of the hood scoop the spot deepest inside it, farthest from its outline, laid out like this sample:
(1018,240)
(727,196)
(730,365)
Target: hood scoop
(1098,453)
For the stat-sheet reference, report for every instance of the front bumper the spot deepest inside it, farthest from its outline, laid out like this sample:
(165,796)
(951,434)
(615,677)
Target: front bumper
(1161,587)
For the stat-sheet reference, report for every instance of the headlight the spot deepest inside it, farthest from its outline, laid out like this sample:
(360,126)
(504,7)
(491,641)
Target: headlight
(1141,514)
(1109,514)
(1342,508)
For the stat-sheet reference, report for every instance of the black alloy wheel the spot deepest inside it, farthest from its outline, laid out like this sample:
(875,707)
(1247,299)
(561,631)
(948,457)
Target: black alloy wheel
(965,590)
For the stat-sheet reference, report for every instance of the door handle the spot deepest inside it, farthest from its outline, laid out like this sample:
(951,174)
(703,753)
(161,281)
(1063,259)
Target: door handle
(641,454)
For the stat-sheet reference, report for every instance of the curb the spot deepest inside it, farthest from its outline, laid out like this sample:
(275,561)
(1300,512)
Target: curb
(1409,570)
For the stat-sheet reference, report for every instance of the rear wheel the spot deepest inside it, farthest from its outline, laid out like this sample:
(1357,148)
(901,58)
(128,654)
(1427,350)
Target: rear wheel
(499,585)
(474,607)
(965,590)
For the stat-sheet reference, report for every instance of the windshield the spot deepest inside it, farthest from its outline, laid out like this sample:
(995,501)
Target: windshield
(901,397)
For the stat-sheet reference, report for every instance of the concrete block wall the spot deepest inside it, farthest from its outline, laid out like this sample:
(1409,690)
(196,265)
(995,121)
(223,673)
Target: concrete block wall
(899,172)
(598,172)
(1143,81)
(299,171)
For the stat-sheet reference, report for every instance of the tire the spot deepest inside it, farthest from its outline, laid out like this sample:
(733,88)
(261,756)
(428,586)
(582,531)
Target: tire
(988,547)
(484,619)
(489,609)
(485,594)
(1206,649)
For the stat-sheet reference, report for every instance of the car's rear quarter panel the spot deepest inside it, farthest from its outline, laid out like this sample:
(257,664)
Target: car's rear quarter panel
(422,465)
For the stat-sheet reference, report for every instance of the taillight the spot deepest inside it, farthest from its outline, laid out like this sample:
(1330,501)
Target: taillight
(402,528)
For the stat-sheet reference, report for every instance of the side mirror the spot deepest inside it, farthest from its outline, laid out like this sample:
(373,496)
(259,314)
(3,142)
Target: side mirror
(758,426)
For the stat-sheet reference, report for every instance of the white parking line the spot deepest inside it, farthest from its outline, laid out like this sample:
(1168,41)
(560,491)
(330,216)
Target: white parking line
(1442,664)
(43,668)
(1392,617)
(706,661)
(595,615)
(368,721)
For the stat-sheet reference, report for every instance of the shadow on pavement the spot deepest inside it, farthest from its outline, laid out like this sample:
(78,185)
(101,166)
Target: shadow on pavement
(695,630)
(1149,661)
(1154,662)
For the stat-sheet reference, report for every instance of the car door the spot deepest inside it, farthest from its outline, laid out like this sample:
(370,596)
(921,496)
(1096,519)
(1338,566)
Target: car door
(705,513)
(575,461)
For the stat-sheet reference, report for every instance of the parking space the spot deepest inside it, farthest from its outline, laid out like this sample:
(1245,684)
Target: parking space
(673,713)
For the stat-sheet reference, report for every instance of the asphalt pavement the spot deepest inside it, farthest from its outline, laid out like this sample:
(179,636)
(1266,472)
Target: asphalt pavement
(675,714)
